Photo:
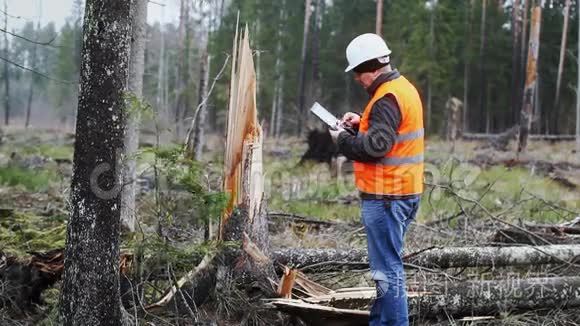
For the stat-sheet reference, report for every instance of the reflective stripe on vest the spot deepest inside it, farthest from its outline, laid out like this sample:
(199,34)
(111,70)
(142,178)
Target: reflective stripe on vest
(393,160)
(410,136)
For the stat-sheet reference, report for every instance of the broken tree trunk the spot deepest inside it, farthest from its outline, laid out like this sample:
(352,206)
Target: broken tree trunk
(243,220)
(531,79)
(449,257)
(562,54)
(444,300)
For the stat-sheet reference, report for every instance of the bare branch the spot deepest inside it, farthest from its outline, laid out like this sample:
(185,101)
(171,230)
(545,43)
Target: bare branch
(66,82)
(204,101)
(11,16)
(49,43)
(157,3)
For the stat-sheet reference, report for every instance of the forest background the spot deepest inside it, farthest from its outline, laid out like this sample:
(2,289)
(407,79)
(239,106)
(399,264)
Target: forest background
(472,50)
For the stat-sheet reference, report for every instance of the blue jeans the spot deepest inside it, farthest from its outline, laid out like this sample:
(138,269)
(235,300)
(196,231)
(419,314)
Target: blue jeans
(386,222)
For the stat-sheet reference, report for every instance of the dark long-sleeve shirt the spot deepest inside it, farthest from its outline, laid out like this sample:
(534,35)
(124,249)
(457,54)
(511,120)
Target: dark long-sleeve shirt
(384,121)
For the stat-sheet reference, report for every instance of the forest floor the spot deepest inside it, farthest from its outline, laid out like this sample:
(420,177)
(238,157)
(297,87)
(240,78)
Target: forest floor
(465,185)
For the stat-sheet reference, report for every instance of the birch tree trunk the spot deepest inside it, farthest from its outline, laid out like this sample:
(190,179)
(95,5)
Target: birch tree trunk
(447,257)
(531,78)
(302,81)
(6,69)
(90,289)
(562,55)
(136,70)
(379,21)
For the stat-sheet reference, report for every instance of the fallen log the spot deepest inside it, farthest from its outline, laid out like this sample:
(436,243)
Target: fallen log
(482,136)
(477,298)
(458,299)
(295,218)
(553,234)
(450,257)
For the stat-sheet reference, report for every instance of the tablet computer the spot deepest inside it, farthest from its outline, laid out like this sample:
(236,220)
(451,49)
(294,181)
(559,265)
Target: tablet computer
(324,115)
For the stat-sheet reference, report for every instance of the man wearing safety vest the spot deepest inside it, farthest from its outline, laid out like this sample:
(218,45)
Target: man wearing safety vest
(388,162)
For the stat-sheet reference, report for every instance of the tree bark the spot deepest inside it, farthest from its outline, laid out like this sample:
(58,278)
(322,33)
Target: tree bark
(562,55)
(31,87)
(467,66)
(531,79)
(181,73)
(484,298)
(90,289)
(136,70)
(430,76)
(273,111)
(578,92)
(523,47)
(160,96)
(379,20)
(482,75)
(316,87)
(448,257)
(6,69)
(516,51)
(302,80)
(199,132)
(279,91)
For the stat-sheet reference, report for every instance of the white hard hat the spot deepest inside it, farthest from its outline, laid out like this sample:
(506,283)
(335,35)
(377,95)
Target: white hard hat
(365,47)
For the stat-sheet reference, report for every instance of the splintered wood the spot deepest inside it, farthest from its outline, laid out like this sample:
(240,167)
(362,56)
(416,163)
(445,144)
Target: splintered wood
(243,181)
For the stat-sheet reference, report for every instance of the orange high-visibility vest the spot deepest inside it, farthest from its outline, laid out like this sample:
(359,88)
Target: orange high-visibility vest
(400,172)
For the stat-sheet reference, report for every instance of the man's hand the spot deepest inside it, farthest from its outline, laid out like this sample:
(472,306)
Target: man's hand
(351,120)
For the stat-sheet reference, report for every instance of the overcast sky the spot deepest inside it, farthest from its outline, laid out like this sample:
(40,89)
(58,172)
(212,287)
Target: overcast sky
(58,10)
